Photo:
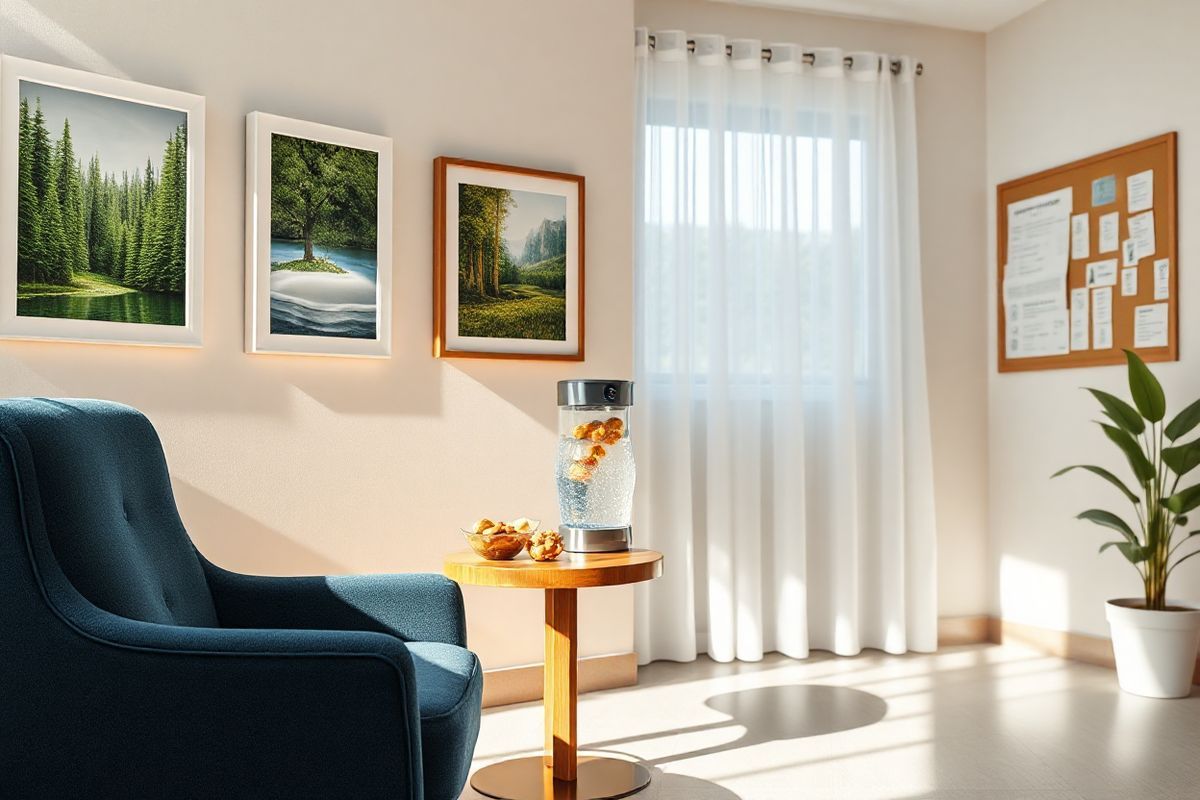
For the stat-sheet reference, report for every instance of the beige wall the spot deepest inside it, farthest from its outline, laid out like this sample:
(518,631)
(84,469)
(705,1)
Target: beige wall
(950,118)
(305,465)
(310,465)
(1069,79)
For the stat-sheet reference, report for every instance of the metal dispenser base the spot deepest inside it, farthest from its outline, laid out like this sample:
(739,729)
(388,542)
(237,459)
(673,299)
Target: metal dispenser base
(595,540)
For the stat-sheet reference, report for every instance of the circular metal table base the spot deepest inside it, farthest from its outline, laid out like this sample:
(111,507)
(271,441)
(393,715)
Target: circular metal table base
(597,778)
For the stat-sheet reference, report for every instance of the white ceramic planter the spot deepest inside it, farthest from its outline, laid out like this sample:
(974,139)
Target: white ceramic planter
(1155,650)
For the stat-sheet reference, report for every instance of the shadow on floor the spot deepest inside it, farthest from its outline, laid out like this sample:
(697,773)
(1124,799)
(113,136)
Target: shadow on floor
(794,711)
(669,786)
(798,710)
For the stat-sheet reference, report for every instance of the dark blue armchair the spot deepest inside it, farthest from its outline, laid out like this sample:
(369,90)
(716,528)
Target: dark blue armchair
(132,667)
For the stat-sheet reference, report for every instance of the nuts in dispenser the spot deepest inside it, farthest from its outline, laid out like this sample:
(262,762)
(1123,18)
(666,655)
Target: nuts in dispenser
(608,432)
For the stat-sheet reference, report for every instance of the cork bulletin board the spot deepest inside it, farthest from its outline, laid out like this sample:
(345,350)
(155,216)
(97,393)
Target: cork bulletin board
(1121,261)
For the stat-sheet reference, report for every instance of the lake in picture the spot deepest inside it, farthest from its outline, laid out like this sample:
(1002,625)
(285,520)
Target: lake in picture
(320,303)
(148,308)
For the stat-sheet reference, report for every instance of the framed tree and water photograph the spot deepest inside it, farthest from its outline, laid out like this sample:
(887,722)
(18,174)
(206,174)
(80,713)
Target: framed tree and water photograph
(508,262)
(101,206)
(318,239)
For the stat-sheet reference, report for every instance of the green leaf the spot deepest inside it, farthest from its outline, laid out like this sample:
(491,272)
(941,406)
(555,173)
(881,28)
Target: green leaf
(1143,470)
(1124,415)
(1135,554)
(1185,501)
(1182,459)
(1103,473)
(1146,390)
(1107,519)
(1184,421)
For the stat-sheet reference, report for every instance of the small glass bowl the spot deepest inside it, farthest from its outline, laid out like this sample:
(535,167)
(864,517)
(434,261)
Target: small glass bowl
(499,546)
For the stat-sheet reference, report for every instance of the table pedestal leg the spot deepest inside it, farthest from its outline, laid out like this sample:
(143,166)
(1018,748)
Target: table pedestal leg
(561,683)
(559,773)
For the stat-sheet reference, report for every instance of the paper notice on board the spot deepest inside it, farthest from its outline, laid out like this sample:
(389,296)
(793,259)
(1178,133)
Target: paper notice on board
(1129,282)
(1039,235)
(1128,253)
(1102,273)
(1080,233)
(1102,318)
(1162,279)
(1139,191)
(1035,279)
(1150,325)
(1035,316)
(1141,231)
(1079,319)
(1109,233)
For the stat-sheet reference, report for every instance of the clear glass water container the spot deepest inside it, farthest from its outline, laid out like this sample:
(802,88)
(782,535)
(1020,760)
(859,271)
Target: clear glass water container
(595,470)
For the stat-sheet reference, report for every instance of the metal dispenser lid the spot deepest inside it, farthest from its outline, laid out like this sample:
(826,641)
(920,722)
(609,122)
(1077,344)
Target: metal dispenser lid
(595,392)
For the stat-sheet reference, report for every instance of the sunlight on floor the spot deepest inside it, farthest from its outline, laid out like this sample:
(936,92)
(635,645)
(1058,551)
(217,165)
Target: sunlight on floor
(981,721)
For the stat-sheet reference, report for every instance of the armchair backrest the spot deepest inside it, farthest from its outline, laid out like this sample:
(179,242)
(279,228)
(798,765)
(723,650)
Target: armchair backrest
(106,507)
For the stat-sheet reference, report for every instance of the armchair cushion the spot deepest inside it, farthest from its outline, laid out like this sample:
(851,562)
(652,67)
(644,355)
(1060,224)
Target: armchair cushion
(449,692)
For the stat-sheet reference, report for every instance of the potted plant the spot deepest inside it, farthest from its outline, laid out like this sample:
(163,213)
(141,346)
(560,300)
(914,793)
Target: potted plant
(1154,639)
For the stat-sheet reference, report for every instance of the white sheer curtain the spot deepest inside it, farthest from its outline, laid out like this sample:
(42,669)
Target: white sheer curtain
(782,420)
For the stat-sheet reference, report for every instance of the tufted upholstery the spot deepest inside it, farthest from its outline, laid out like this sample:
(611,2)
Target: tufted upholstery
(132,667)
(112,522)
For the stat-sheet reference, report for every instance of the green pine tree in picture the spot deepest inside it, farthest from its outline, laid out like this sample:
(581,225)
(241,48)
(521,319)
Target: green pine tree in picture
(101,208)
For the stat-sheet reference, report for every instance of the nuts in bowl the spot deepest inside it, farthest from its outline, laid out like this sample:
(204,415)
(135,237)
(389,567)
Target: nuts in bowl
(500,541)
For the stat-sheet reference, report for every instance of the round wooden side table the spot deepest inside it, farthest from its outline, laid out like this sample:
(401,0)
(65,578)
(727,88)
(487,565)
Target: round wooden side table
(559,774)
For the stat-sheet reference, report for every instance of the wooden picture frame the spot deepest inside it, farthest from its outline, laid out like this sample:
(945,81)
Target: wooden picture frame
(107,290)
(523,311)
(339,303)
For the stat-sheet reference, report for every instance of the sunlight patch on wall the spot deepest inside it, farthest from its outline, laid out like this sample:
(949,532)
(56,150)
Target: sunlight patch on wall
(35,24)
(1033,594)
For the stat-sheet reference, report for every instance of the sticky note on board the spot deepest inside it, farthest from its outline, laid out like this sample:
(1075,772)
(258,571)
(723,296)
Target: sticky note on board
(1104,190)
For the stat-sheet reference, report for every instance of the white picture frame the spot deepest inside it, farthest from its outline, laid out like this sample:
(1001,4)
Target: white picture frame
(16,325)
(260,130)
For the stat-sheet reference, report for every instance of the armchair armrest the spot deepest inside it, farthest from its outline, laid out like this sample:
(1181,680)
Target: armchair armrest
(200,712)
(412,607)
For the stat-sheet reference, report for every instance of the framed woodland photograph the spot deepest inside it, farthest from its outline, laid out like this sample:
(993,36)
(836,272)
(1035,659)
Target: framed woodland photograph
(101,208)
(318,239)
(508,262)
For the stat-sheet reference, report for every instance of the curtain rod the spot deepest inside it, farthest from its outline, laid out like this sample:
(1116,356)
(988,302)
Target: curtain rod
(808,58)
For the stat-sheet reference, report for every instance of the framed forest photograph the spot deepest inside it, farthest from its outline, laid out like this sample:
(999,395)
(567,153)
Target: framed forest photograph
(101,206)
(508,262)
(318,239)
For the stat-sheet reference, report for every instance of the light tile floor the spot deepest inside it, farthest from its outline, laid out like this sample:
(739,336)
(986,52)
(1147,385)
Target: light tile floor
(985,722)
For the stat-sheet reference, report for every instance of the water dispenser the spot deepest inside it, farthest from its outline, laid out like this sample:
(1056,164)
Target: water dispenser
(595,470)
